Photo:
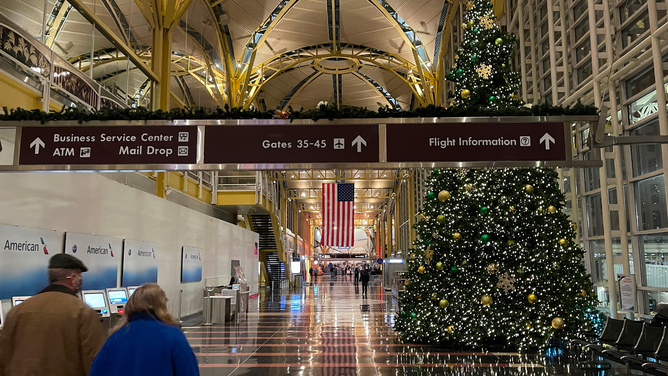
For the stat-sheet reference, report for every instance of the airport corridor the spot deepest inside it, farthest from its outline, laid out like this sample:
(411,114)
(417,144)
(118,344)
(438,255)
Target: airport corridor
(327,328)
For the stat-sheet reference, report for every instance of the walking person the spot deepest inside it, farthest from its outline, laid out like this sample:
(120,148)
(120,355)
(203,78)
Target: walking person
(146,341)
(364,277)
(310,273)
(357,276)
(335,273)
(54,332)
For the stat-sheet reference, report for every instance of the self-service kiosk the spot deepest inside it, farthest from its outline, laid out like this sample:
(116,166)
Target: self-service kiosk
(131,290)
(117,299)
(97,300)
(2,316)
(16,300)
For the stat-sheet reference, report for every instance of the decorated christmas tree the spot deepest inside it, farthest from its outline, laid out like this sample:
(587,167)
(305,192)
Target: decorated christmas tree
(494,263)
(482,74)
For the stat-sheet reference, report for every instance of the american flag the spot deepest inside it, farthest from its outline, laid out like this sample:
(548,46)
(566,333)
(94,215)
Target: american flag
(338,214)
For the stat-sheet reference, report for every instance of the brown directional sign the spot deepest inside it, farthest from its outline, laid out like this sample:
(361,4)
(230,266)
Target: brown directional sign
(467,142)
(291,144)
(108,145)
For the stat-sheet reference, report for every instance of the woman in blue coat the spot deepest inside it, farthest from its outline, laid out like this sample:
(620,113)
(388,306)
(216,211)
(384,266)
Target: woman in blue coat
(146,341)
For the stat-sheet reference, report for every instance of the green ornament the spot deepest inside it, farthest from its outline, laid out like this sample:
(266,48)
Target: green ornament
(474,58)
(459,72)
(484,238)
(475,30)
(484,210)
(454,270)
(404,314)
(413,315)
(427,241)
(492,98)
(498,41)
(431,195)
(440,218)
(490,5)
(439,265)
(474,43)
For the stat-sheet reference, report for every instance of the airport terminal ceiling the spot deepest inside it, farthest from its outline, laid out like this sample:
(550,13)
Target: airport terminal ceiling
(366,53)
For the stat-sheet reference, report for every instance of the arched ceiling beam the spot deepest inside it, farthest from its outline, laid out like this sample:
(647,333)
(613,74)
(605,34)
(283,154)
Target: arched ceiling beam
(218,77)
(287,100)
(423,65)
(441,48)
(380,90)
(256,40)
(224,45)
(121,22)
(400,67)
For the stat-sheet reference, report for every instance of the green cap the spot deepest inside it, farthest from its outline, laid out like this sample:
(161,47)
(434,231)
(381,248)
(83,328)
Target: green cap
(65,261)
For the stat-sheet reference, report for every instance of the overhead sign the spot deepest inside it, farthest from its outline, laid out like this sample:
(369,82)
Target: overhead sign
(108,145)
(24,257)
(270,144)
(469,142)
(100,254)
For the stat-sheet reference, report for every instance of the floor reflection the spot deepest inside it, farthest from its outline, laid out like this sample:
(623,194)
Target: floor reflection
(330,329)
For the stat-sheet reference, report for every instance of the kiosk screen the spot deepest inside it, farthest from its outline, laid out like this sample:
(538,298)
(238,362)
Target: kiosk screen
(17,302)
(131,290)
(117,297)
(95,300)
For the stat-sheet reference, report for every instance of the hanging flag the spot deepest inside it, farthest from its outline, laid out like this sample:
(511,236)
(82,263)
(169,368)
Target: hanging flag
(338,215)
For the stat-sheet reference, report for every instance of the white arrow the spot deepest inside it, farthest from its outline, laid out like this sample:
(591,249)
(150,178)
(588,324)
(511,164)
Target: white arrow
(547,139)
(36,144)
(359,141)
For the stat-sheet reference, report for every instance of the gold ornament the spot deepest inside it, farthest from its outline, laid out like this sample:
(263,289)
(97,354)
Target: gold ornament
(506,282)
(583,293)
(444,303)
(469,5)
(407,282)
(456,57)
(540,210)
(563,241)
(528,188)
(451,329)
(439,265)
(456,236)
(513,96)
(422,217)
(529,326)
(421,269)
(484,71)
(492,269)
(443,196)
(419,296)
(428,255)
(486,300)
(511,242)
(558,323)
(412,256)
(434,296)
(532,298)
(466,94)
(551,209)
(511,209)
(486,22)
(468,187)
(464,26)
(574,226)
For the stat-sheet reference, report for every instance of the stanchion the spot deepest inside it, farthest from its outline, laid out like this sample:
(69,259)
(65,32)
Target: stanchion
(208,307)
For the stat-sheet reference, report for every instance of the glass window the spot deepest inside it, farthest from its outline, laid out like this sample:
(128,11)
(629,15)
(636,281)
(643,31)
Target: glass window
(581,30)
(579,9)
(635,29)
(547,83)
(652,300)
(582,51)
(646,158)
(592,179)
(544,29)
(545,46)
(584,72)
(597,254)
(640,82)
(543,10)
(567,183)
(655,250)
(651,203)
(546,66)
(594,211)
(628,8)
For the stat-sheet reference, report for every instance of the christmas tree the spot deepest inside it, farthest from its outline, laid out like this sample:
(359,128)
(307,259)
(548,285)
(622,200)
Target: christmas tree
(482,73)
(495,262)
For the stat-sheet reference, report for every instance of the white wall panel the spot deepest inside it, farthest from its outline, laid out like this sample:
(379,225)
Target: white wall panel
(92,204)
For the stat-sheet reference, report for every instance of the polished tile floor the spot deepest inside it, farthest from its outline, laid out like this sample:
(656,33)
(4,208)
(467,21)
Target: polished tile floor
(329,328)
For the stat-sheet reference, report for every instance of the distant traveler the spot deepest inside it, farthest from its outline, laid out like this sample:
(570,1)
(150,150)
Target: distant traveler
(336,271)
(365,281)
(146,341)
(54,332)
(357,275)
(310,273)
(661,317)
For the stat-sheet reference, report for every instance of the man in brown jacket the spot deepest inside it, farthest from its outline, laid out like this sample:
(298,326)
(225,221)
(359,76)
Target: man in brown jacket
(53,333)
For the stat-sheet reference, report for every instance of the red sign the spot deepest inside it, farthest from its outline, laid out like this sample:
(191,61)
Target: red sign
(108,145)
(468,142)
(291,144)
